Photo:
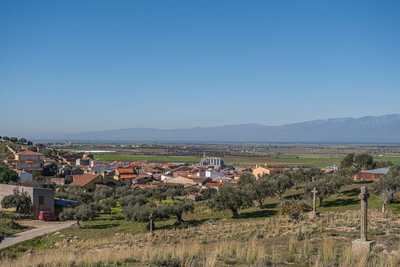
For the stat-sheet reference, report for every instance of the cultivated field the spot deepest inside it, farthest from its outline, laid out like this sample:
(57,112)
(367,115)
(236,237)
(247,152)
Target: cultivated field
(308,160)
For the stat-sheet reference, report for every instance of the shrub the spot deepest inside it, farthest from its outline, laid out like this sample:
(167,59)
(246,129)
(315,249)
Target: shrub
(20,201)
(294,209)
(7,176)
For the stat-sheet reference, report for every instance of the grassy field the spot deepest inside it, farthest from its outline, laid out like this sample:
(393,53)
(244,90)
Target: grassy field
(303,160)
(150,158)
(260,237)
(108,226)
(308,160)
(7,226)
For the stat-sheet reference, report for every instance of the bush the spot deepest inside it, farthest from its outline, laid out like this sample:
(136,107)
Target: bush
(7,176)
(81,213)
(294,209)
(20,201)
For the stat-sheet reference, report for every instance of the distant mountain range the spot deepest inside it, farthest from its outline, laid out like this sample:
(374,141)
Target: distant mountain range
(372,129)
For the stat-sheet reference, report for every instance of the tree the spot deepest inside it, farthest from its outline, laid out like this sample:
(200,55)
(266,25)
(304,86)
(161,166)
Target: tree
(75,193)
(302,176)
(363,161)
(347,161)
(179,209)
(22,141)
(326,185)
(7,176)
(81,213)
(256,189)
(149,213)
(103,192)
(387,186)
(232,198)
(50,169)
(279,184)
(106,205)
(174,191)
(21,201)
(207,194)
(358,162)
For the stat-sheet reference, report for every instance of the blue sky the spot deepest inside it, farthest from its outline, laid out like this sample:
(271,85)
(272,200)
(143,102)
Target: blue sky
(70,66)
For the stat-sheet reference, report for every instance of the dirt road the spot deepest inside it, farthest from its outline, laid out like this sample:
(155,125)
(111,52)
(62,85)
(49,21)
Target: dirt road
(39,229)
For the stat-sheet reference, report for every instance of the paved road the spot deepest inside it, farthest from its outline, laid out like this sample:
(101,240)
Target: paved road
(40,229)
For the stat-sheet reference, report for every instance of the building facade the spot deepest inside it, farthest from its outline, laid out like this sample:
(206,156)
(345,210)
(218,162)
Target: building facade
(42,198)
(214,162)
(29,161)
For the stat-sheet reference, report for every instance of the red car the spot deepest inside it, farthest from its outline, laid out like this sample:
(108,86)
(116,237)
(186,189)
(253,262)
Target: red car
(46,216)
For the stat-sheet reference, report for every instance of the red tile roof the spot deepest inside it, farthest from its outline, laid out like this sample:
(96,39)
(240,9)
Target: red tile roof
(128,176)
(83,179)
(123,171)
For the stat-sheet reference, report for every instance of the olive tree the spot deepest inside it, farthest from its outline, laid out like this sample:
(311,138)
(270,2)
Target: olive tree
(387,186)
(279,184)
(326,185)
(256,189)
(179,209)
(7,176)
(232,198)
(21,201)
(82,213)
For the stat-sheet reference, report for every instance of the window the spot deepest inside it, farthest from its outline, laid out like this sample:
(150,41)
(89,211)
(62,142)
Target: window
(41,200)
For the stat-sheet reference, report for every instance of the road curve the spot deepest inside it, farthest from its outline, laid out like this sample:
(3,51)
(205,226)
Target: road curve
(41,229)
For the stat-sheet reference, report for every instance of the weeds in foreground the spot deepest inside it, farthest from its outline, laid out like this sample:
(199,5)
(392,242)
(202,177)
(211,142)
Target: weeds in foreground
(272,242)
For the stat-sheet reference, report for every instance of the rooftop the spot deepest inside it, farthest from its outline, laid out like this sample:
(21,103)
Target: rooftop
(83,179)
(378,171)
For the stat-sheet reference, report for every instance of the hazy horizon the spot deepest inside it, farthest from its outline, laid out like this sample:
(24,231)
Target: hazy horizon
(69,67)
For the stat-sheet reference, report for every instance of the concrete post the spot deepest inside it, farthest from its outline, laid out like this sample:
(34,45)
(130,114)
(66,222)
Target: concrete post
(362,245)
(314,212)
(364,213)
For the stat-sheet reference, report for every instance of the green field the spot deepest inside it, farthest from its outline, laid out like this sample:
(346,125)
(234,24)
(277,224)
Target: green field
(307,160)
(7,226)
(150,158)
(300,160)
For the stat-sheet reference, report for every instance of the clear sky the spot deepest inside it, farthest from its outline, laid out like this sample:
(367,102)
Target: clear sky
(71,66)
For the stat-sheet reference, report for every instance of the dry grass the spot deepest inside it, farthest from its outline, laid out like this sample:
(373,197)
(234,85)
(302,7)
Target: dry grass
(275,241)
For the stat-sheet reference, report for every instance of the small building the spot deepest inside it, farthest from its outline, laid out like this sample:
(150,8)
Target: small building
(214,175)
(215,162)
(125,173)
(186,182)
(29,161)
(261,171)
(42,198)
(370,175)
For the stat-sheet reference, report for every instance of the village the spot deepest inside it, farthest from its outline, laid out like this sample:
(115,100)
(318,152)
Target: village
(62,188)
(41,175)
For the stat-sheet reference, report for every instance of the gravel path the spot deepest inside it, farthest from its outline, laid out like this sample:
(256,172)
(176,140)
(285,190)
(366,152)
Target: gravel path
(40,229)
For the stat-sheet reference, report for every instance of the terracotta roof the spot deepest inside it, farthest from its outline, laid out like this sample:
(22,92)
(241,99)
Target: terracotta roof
(83,179)
(122,171)
(128,176)
(29,153)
